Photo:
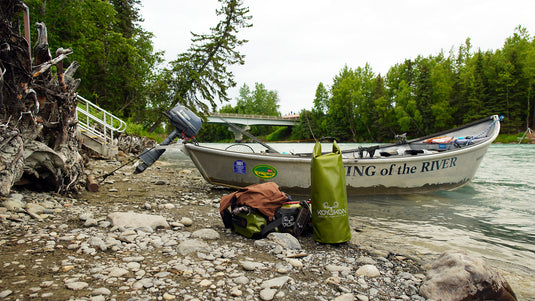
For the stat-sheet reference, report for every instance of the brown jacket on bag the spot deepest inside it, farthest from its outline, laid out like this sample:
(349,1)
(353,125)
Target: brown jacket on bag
(265,197)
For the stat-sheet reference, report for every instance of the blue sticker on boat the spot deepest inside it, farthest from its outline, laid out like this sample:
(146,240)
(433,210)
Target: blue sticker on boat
(239,167)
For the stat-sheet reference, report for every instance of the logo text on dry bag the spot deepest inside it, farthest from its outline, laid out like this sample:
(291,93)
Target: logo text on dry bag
(264,171)
(331,211)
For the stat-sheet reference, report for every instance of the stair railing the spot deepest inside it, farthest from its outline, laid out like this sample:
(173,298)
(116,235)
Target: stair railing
(97,121)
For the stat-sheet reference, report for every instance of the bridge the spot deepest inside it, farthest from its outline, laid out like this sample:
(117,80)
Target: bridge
(248,120)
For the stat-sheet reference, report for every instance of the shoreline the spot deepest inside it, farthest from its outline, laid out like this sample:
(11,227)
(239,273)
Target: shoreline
(74,251)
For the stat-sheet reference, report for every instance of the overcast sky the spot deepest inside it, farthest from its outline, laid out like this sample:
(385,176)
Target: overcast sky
(296,44)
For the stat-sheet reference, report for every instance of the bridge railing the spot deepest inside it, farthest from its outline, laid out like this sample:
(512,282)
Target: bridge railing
(252,116)
(97,121)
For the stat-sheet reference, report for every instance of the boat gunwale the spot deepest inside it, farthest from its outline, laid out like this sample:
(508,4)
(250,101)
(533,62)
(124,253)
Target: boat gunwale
(300,157)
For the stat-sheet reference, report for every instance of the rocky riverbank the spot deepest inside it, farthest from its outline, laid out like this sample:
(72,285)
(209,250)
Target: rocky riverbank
(62,248)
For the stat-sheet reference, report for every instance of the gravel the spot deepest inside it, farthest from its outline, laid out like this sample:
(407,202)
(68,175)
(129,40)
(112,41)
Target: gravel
(158,236)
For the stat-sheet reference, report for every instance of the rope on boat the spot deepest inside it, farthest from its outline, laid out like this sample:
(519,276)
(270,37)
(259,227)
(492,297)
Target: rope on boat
(484,132)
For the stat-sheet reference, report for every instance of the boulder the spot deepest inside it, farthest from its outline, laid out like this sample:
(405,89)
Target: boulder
(458,276)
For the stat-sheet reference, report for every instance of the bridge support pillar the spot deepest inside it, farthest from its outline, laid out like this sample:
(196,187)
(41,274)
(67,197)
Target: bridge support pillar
(238,136)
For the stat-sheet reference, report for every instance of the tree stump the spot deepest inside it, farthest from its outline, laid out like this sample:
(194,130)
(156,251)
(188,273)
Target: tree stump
(38,143)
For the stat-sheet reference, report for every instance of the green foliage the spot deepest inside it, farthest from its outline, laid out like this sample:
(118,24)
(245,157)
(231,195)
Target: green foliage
(115,54)
(428,94)
(281,133)
(119,72)
(215,133)
(136,129)
(508,138)
(199,77)
(321,101)
(260,101)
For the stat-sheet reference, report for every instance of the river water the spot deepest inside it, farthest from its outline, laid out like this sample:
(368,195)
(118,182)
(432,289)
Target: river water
(492,217)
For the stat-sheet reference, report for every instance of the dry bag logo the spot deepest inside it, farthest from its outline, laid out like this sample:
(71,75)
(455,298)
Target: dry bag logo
(264,171)
(331,211)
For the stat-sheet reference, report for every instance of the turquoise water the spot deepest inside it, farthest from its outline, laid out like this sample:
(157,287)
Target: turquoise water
(493,216)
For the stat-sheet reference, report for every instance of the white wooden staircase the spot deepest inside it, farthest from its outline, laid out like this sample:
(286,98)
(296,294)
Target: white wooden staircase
(96,128)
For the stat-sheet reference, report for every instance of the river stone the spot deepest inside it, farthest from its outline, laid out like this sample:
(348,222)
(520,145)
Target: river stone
(136,220)
(235,291)
(35,208)
(275,282)
(133,266)
(206,234)
(366,260)
(101,291)
(241,280)
(267,294)
(192,245)
(5,293)
(97,242)
(337,268)
(296,263)
(458,276)
(77,285)
(344,297)
(368,270)
(117,272)
(285,240)
(251,265)
(205,283)
(17,197)
(13,204)
(186,221)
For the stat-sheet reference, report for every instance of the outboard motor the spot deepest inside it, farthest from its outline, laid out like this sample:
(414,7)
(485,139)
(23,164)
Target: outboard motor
(186,123)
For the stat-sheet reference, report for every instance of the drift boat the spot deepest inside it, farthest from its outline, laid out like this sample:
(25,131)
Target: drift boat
(442,161)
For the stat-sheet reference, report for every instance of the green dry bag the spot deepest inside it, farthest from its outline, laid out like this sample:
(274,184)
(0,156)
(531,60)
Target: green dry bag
(330,220)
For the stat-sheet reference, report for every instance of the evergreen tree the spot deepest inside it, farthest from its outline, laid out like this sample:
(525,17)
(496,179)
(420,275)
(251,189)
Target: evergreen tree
(260,101)
(201,73)
(115,54)
(316,120)
(321,100)
(341,116)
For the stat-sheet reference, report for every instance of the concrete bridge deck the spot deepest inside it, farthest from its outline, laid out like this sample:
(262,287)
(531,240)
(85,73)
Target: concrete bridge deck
(243,119)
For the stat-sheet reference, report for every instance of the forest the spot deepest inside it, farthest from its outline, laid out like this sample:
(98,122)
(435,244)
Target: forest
(428,94)
(121,72)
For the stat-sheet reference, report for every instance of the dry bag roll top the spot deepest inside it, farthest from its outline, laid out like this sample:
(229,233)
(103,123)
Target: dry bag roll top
(330,220)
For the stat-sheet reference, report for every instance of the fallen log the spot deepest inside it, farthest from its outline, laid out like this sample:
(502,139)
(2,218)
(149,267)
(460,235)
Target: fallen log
(91,184)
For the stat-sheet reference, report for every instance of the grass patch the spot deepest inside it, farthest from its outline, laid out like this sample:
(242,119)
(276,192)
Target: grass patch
(135,129)
(508,138)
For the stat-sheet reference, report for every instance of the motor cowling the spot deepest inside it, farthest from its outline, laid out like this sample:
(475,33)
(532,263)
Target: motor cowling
(186,123)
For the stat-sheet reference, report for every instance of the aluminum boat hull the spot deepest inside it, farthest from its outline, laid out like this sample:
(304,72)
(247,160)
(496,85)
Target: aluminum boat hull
(392,169)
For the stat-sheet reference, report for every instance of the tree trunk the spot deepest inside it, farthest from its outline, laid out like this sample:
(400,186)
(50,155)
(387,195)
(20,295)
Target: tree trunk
(38,142)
